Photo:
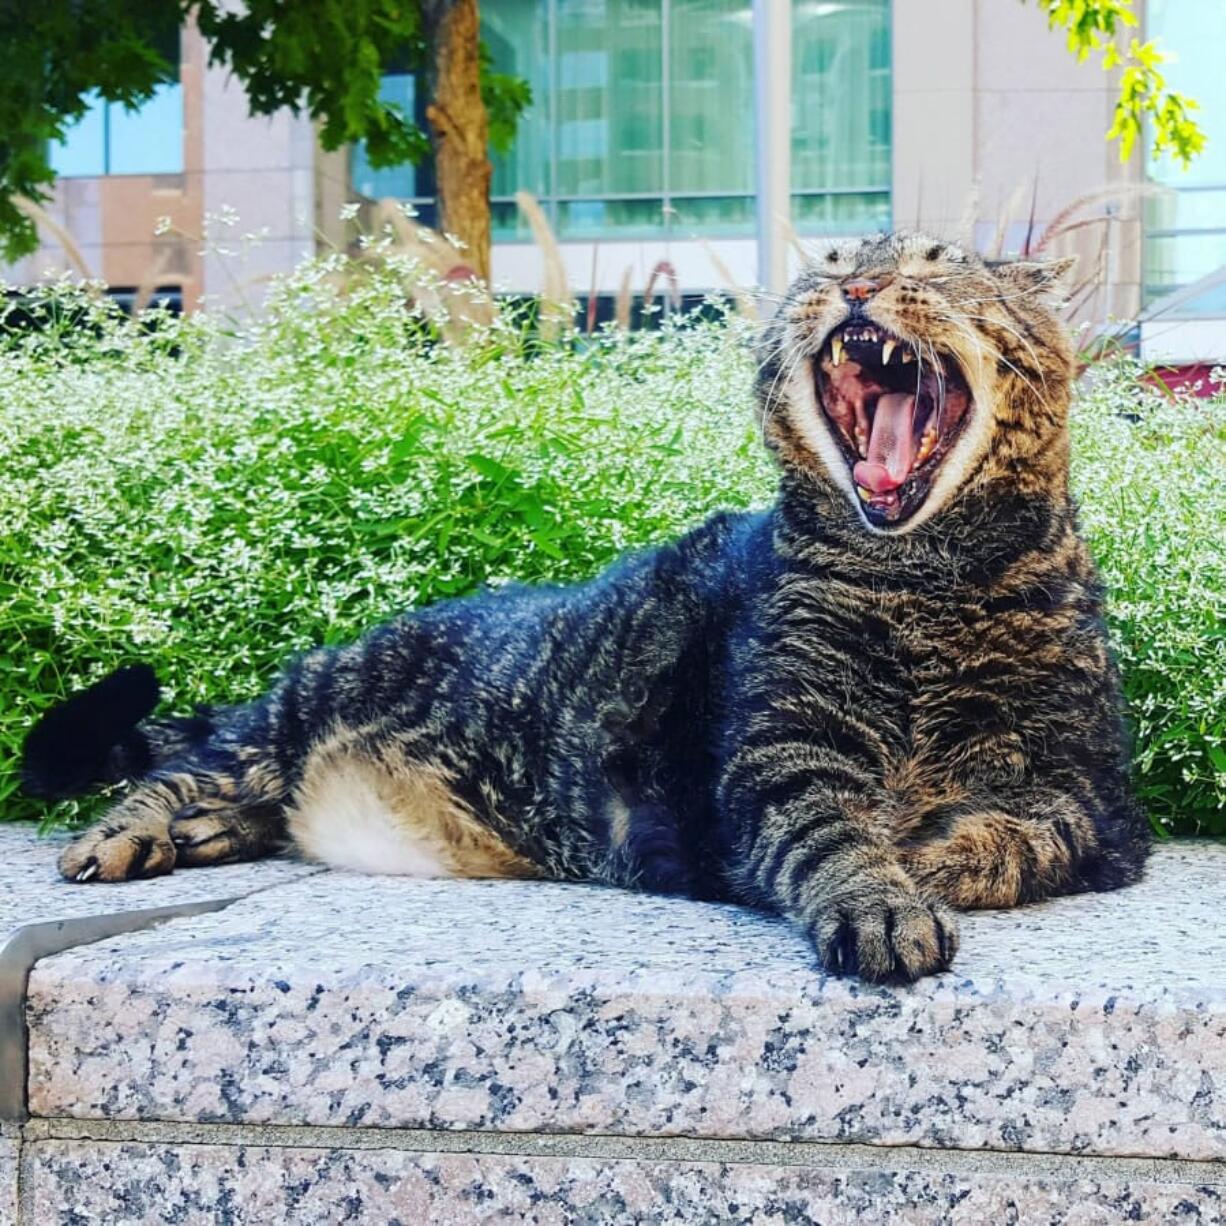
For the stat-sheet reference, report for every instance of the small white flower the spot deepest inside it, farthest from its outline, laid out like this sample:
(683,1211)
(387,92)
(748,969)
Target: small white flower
(350,210)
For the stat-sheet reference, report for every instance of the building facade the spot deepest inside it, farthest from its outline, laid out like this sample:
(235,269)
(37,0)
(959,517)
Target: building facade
(959,116)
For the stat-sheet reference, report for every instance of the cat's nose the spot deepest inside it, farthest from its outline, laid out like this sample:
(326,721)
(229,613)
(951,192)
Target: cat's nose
(860,290)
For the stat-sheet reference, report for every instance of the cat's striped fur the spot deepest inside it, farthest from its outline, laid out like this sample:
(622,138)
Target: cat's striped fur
(855,723)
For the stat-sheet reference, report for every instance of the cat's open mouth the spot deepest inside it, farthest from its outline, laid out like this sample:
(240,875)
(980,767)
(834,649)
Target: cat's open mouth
(896,411)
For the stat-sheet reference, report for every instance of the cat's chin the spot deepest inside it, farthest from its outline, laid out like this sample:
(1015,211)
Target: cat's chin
(895,410)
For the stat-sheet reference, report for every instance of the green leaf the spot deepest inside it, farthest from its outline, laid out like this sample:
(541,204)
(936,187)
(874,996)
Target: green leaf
(489,468)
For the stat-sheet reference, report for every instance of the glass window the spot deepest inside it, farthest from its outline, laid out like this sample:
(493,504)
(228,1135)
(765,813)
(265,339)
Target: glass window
(711,115)
(610,98)
(1186,227)
(841,96)
(642,119)
(840,212)
(517,34)
(109,139)
(400,182)
(147,141)
(83,149)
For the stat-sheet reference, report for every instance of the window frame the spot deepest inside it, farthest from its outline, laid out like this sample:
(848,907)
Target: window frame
(552,201)
(174,52)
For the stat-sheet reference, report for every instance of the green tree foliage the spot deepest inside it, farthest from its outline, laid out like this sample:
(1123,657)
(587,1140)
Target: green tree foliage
(324,57)
(1093,27)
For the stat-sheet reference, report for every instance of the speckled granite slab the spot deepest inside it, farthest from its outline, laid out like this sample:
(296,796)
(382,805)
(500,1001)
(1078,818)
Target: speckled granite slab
(31,891)
(8,1181)
(74,1182)
(1090,1025)
(42,914)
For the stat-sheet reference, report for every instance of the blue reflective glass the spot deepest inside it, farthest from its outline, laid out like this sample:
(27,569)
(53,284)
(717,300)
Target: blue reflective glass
(83,149)
(149,140)
(710,108)
(641,119)
(841,95)
(399,182)
(1186,227)
(517,34)
(610,99)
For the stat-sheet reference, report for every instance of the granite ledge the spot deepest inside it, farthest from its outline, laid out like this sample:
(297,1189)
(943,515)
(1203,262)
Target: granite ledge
(81,1182)
(1090,1025)
(32,891)
(9,1157)
(40,913)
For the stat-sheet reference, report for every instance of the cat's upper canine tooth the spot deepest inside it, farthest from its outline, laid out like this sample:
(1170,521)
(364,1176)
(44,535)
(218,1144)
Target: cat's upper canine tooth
(836,350)
(886,350)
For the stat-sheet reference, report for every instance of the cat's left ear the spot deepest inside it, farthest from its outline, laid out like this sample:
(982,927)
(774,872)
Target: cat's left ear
(1047,280)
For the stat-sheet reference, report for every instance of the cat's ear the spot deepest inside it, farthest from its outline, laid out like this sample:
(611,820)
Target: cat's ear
(1046,280)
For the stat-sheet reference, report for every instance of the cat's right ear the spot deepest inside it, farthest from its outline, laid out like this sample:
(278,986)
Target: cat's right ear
(1046,280)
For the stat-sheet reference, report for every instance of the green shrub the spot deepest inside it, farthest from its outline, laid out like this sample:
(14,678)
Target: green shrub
(1149,471)
(211,498)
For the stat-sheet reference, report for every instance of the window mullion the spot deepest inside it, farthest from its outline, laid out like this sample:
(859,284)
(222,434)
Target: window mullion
(554,111)
(666,133)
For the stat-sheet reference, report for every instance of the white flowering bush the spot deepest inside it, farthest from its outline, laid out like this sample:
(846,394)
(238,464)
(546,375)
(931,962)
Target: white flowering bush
(1149,470)
(212,497)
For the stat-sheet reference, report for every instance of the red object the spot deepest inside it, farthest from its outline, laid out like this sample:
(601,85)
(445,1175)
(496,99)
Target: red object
(1185,379)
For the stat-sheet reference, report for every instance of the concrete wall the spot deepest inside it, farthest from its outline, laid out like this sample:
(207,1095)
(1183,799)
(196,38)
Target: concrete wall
(262,169)
(994,117)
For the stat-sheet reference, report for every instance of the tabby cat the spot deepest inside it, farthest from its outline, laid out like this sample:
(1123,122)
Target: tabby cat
(886,697)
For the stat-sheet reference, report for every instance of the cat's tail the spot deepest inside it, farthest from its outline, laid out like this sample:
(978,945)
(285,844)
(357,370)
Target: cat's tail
(103,735)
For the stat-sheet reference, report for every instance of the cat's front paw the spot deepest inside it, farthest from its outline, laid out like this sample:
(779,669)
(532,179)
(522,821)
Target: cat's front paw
(885,936)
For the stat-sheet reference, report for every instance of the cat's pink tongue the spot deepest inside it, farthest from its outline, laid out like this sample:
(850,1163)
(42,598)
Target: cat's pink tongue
(891,446)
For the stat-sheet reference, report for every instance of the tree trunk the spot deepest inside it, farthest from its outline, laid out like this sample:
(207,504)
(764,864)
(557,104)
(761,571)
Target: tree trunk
(459,127)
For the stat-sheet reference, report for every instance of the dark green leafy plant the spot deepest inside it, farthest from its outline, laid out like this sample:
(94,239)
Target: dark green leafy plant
(326,57)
